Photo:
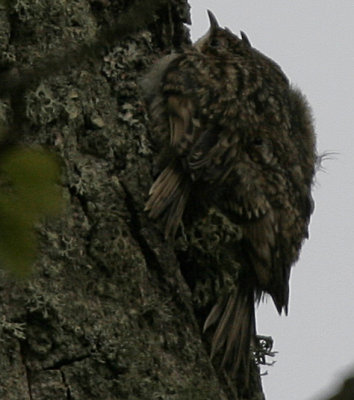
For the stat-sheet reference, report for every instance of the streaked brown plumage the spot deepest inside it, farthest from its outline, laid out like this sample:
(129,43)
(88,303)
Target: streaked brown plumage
(237,128)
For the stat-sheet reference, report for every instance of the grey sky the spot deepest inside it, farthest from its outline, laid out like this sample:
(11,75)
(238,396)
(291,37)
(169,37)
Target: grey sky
(313,42)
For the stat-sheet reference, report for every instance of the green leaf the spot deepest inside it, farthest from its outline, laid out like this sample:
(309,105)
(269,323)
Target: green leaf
(17,238)
(29,190)
(34,175)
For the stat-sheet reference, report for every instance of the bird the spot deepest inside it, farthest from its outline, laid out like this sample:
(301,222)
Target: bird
(235,132)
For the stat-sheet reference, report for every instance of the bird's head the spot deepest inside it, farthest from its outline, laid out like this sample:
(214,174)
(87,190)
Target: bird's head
(221,41)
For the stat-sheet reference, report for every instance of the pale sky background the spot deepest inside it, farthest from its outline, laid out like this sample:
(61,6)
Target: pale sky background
(313,42)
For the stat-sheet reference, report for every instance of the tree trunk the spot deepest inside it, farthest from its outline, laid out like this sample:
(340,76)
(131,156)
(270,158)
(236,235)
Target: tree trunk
(107,313)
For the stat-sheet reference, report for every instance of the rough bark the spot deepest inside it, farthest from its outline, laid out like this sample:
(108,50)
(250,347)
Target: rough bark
(107,313)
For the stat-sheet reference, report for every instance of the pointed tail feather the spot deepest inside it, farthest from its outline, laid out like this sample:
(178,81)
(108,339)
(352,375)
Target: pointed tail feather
(169,195)
(235,319)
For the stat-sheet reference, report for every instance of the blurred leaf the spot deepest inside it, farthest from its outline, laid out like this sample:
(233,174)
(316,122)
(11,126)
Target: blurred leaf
(34,175)
(29,190)
(17,240)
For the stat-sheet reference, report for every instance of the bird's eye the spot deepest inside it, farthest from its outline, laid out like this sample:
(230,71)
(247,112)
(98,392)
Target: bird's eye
(214,42)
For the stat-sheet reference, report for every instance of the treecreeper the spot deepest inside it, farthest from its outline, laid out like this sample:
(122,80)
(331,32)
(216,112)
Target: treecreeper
(240,135)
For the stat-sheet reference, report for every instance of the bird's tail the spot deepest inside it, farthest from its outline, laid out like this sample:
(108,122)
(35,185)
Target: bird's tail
(169,195)
(234,317)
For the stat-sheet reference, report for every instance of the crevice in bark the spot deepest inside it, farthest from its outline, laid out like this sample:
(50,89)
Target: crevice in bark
(83,203)
(64,361)
(81,199)
(68,392)
(27,370)
(135,229)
